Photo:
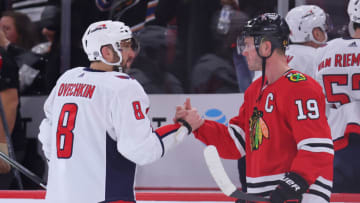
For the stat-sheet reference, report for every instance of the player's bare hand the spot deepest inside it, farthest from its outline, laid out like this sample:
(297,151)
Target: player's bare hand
(180,113)
(194,119)
(187,104)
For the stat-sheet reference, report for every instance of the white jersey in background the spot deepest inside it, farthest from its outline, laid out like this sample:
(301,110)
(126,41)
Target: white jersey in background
(300,58)
(95,132)
(338,72)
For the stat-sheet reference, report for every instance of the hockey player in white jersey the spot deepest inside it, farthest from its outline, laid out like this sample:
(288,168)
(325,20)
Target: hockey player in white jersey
(308,26)
(338,71)
(96,128)
(308,30)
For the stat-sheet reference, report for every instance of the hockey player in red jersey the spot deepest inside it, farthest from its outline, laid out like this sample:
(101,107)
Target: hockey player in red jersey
(96,128)
(338,72)
(281,127)
(308,26)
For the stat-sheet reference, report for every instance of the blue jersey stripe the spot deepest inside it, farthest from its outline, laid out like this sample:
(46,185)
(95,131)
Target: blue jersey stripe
(120,174)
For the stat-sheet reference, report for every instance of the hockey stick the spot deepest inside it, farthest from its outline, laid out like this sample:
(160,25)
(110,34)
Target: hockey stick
(22,169)
(9,143)
(218,173)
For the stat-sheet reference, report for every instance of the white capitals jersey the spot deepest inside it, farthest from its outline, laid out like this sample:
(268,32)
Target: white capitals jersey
(95,132)
(300,58)
(338,72)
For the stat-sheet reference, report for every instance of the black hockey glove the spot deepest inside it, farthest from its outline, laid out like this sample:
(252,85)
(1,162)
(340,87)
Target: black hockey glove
(290,189)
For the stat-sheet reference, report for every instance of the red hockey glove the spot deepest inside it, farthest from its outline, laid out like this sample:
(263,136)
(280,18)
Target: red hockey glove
(290,189)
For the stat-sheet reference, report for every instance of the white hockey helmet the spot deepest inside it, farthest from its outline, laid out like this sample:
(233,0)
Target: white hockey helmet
(354,14)
(303,19)
(103,33)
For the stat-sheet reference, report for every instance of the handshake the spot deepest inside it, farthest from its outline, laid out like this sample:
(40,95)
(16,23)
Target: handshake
(188,116)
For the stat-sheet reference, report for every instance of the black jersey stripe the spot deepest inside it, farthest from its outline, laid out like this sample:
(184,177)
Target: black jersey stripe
(263,184)
(330,146)
(263,194)
(238,136)
(327,187)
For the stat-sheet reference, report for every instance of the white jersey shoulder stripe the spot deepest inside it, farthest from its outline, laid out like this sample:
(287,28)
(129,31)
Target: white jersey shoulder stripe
(265,178)
(317,149)
(264,189)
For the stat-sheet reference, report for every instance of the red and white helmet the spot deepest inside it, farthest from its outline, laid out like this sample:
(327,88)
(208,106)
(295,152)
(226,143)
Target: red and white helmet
(103,33)
(303,19)
(354,14)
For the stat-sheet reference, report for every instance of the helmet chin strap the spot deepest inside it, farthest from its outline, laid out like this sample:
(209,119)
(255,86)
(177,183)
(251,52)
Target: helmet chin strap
(116,65)
(264,64)
(264,58)
(263,71)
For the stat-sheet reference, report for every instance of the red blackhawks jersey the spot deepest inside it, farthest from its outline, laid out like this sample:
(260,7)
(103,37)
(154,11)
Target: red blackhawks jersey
(95,132)
(281,129)
(338,72)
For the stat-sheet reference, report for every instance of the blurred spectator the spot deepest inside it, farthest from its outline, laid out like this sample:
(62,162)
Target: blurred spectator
(50,50)
(17,37)
(83,13)
(9,84)
(215,72)
(194,38)
(243,74)
(10,100)
(19,30)
(150,67)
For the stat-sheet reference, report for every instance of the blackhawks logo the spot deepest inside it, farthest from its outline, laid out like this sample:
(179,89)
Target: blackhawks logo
(258,129)
(296,77)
